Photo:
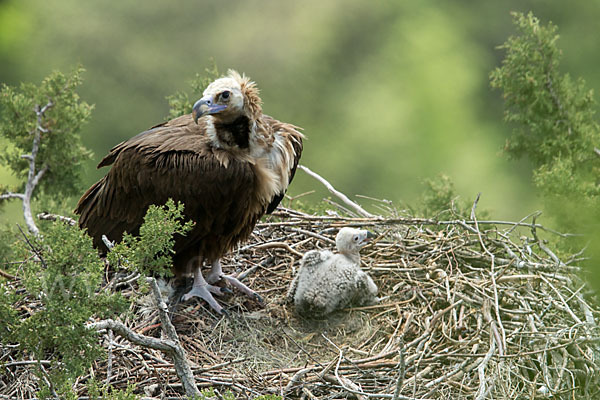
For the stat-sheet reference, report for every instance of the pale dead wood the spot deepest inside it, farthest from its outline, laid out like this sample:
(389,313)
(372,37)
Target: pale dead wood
(45,216)
(33,176)
(170,346)
(338,194)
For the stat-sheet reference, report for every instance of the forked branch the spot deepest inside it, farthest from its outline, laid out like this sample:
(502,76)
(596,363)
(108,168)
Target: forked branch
(170,346)
(33,176)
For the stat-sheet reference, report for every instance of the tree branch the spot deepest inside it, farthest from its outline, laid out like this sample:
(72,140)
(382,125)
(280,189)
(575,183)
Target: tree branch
(182,367)
(171,346)
(39,175)
(33,177)
(45,216)
(483,389)
(401,369)
(120,329)
(339,195)
(11,195)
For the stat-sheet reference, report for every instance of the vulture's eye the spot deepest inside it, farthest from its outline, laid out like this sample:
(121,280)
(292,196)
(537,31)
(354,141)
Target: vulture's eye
(225,95)
(356,238)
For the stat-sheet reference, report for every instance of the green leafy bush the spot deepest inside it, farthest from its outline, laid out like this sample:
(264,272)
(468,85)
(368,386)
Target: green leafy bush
(440,197)
(555,127)
(62,275)
(151,250)
(553,115)
(98,392)
(60,149)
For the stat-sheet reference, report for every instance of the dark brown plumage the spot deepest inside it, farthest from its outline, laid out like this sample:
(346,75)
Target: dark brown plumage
(227,162)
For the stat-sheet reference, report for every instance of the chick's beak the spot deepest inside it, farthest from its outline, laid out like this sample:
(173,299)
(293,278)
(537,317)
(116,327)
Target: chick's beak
(205,106)
(367,238)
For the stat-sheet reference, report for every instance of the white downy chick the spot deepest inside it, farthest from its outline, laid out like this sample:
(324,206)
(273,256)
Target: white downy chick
(327,282)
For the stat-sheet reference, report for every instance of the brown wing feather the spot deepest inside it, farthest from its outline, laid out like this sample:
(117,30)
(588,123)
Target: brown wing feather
(173,161)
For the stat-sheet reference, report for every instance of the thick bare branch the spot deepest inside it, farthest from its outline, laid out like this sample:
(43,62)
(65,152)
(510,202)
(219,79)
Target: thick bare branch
(170,346)
(182,367)
(166,346)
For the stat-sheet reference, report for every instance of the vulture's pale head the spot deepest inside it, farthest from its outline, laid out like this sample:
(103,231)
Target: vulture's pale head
(229,98)
(349,240)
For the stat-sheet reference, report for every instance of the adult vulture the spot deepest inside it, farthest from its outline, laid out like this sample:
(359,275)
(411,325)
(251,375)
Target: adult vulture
(227,162)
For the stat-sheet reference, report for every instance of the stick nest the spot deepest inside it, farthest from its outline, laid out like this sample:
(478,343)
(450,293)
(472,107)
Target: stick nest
(469,310)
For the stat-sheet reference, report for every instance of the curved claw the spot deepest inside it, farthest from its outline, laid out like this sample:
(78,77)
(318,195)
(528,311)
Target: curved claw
(258,298)
(226,290)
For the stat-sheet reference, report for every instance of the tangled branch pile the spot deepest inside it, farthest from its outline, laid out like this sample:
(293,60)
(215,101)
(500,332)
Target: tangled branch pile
(468,310)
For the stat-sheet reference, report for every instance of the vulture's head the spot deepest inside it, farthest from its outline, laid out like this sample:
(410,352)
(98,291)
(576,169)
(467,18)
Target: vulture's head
(229,98)
(349,240)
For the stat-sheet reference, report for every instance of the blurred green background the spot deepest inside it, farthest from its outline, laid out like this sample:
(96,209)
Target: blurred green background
(388,93)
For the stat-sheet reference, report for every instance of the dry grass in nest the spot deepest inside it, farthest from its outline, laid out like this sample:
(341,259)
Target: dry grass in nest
(469,311)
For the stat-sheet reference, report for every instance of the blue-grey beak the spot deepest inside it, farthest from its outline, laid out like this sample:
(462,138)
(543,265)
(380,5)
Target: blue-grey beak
(205,106)
(367,238)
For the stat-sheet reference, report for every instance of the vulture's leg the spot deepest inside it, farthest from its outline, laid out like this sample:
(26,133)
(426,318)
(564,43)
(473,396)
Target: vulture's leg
(202,289)
(216,273)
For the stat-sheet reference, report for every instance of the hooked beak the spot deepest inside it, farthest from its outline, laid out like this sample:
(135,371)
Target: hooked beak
(367,239)
(205,106)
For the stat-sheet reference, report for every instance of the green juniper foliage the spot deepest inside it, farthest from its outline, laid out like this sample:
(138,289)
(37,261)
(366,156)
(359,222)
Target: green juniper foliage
(8,313)
(59,271)
(7,240)
(98,392)
(60,143)
(180,103)
(553,114)
(440,197)
(556,128)
(152,249)
(63,273)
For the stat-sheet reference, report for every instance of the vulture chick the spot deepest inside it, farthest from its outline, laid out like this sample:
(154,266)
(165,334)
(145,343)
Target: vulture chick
(227,162)
(327,282)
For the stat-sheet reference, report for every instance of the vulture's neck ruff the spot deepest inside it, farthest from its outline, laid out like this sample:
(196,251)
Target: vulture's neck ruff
(235,133)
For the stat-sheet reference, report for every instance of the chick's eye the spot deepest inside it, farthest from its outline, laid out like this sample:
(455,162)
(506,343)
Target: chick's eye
(225,95)
(356,238)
